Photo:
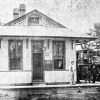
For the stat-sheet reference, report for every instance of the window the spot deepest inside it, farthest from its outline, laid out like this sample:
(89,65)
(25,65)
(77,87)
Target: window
(0,43)
(58,52)
(15,54)
(33,20)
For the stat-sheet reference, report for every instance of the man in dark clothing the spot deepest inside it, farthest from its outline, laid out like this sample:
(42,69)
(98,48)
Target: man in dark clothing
(94,72)
(86,73)
(78,74)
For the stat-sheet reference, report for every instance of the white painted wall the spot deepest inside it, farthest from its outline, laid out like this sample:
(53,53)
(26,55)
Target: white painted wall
(48,52)
(4,55)
(70,54)
(27,55)
(15,77)
(57,76)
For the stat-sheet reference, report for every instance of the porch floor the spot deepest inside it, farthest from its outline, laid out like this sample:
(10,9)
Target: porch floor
(82,84)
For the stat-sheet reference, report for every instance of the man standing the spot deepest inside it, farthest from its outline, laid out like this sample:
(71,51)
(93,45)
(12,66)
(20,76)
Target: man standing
(72,73)
(94,72)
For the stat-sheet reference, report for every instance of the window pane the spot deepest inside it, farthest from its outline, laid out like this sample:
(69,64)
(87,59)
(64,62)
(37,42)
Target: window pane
(37,47)
(58,48)
(61,49)
(58,64)
(15,54)
(33,20)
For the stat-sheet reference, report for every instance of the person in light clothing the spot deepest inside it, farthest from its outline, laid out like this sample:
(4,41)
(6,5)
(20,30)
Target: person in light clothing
(72,73)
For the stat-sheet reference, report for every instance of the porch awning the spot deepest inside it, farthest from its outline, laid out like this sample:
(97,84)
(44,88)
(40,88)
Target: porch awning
(41,31)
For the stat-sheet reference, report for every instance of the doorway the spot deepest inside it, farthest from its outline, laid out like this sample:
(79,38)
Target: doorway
(37,60)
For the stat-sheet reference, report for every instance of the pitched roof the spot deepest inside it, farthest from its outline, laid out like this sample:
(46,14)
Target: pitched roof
(41,31)
(43,15)
(61,31)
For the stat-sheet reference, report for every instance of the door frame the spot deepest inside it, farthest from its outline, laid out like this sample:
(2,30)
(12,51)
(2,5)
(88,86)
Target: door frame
(42,80)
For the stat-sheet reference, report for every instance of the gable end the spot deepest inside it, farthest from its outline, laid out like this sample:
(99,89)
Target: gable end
(34,18)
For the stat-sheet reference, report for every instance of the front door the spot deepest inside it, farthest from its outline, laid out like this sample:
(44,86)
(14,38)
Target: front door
(37,60)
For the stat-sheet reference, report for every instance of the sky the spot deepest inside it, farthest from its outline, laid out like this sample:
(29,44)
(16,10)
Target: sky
(80,15)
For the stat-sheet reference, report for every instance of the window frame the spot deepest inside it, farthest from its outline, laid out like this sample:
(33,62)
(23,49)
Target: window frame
(21,67)
(33,20)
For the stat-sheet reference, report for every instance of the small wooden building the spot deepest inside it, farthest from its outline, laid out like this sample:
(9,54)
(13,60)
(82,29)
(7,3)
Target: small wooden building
(35,48)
